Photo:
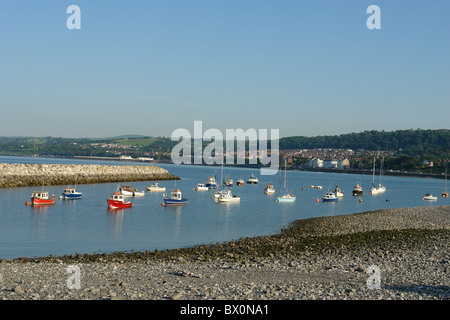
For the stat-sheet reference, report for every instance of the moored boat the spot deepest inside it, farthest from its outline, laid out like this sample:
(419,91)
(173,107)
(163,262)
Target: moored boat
(117,201)
(252,180)
(329,197)
(71,193)
(240,182)
(127,191)
(174,199)
(445,193)
(227,196)
(269,189)
(286,197)
(357,190)
(429,196)
(201,187)
(211,183)
(338,192)
(155,187)
(228,182)
(42,198)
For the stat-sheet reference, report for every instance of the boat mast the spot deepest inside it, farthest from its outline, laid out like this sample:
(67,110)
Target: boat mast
(373,172)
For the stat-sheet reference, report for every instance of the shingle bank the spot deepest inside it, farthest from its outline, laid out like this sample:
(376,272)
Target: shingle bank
(28,175)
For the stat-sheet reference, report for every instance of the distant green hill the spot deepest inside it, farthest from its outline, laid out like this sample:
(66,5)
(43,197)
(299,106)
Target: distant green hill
(408,142)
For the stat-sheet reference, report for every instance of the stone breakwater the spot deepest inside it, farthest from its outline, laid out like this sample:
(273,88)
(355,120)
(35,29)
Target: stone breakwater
(28,175)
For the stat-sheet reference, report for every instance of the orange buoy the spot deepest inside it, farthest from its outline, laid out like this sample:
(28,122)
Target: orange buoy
(317,200)
(27,203)
(162,204)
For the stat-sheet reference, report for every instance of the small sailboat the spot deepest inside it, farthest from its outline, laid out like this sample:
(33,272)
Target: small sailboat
(42,198)
(445,193)
(117,201)
(381,188)
(286,197)
(175,198)
(71,193)
(373,189)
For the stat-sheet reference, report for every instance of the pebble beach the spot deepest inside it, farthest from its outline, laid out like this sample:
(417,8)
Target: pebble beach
(392,254)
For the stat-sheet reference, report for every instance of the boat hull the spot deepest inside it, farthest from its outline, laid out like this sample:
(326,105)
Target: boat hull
(156,189)
(175,202)
(42,202)
(119,204)
(72,196)
(286,199)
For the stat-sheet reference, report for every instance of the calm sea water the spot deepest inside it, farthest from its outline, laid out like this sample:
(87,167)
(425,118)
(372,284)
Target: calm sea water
(87,226)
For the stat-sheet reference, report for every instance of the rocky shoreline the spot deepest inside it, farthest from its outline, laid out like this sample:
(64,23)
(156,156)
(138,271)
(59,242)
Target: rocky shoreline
(393,254)
(27,175)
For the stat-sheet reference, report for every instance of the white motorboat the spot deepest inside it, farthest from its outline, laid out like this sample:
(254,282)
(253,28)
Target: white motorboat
(338,192)
(127,191)
(155,187)
(201,187)
(329,197)
(429,197)
(269,189)
(227,196)
(252,180)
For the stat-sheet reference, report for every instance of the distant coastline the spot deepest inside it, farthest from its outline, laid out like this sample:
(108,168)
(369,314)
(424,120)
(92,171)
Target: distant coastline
(256,166)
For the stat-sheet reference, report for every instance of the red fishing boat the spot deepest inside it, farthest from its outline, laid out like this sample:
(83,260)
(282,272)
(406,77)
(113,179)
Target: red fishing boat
(117,201)
(42,198)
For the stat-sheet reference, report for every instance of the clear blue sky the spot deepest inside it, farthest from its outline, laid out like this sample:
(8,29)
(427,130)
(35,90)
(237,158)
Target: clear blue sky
(149,67)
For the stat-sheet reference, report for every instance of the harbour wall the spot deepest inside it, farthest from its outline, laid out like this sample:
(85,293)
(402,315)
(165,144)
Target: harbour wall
(27,175)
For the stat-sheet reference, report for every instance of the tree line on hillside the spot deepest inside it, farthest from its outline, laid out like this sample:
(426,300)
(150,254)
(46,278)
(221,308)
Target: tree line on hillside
(410,145)
(433,143)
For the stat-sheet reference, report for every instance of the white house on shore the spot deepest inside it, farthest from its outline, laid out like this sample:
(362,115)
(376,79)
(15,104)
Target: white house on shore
(329,163)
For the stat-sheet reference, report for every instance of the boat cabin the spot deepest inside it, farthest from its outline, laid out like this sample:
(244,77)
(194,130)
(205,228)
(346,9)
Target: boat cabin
(40,195)
(176,195)
(117,196)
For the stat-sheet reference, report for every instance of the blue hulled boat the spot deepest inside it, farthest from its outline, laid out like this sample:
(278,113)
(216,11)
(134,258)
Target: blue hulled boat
(71,193)
(174,199)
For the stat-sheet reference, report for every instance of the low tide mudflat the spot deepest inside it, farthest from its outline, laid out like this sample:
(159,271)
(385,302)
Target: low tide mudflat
(319,258)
